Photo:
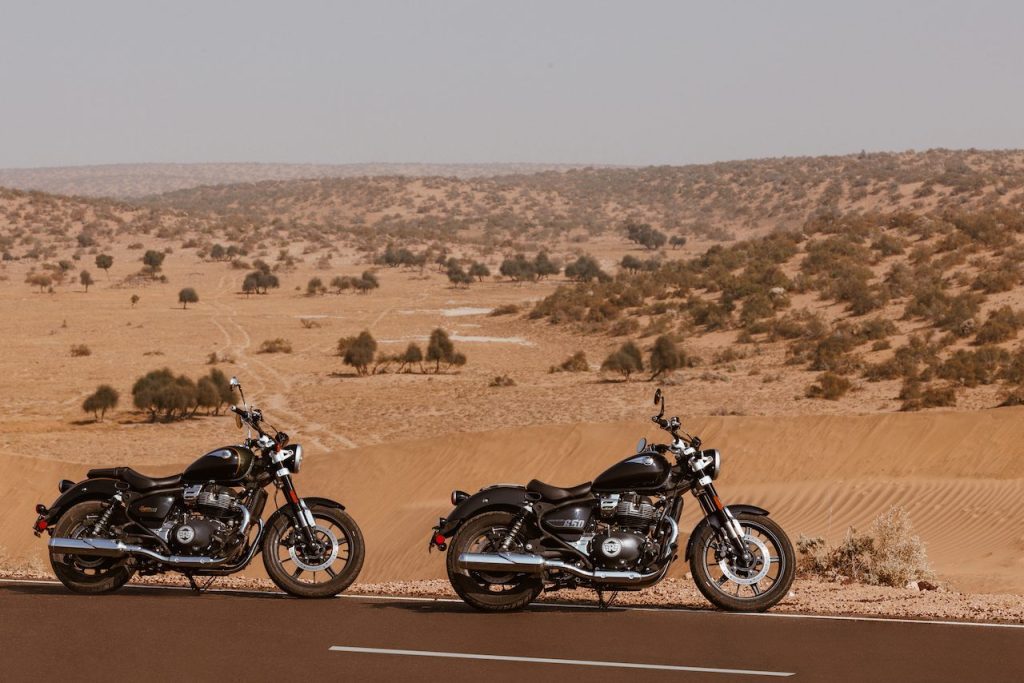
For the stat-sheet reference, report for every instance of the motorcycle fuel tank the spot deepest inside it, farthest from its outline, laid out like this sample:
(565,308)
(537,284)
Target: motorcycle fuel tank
(645,471)
(226,465)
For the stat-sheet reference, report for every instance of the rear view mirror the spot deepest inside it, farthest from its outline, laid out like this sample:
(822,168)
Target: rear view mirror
(641,445)
(235,382)
(238,420)
(657,396)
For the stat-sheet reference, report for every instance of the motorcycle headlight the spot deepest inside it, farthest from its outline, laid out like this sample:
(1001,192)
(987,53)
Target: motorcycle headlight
(296,458)
(716,463)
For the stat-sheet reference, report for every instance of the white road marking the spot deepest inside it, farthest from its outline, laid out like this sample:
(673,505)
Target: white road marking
(547,660)
(558,605)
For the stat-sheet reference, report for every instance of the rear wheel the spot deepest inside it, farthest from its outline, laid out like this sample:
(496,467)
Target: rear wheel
(737,588)
(84,573)
(488,591)
(319,570)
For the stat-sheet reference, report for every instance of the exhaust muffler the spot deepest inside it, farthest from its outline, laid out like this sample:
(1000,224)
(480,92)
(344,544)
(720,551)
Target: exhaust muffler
(102,547)
(535,564)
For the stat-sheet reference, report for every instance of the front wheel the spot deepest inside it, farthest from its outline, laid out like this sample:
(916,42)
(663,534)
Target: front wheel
(730,585)
(319,570)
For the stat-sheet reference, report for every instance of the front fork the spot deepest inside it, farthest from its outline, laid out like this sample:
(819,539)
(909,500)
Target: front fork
(727,524)
(302,515)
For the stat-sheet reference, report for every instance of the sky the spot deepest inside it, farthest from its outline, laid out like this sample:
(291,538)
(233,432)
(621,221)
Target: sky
(555,81)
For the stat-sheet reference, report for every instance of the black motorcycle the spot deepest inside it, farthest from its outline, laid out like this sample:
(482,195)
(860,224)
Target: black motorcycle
(205,522)
(619,532)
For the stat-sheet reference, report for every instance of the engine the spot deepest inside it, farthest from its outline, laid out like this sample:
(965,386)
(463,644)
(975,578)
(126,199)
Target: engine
(624,542)
(207,522)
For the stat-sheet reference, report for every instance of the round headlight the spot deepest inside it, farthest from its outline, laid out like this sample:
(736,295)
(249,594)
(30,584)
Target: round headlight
(716,463)
(297,458)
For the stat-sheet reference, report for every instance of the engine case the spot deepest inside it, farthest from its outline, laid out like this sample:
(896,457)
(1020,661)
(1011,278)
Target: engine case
(618,549)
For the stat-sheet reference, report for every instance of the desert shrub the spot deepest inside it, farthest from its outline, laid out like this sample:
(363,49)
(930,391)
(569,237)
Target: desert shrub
(315,286)
(577,362)
(544,265)
(832,354)
(625,361)
(518,268)
(413,355)
(1001,278)
(440,349)
(100,401)
(479,271)
(755,307)
(358,351)
(278,345)
(457,275)
(505,309)
(134,300)
(917,396)
(86,279)
(187,296)
(971,368)
(889,245)
(876,328)
(907,360)
(310,323)
(677,241)
(40,280)
(829,386)
(1002,325)
(501,381)
(79,350)
(624,327)
(889,554)
(159,391)
(711,314)
(260,280)
(665,356)
(366,282)
(152,261)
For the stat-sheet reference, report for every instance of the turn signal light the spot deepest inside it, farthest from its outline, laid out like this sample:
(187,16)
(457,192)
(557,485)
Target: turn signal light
(439,539)
(458,496)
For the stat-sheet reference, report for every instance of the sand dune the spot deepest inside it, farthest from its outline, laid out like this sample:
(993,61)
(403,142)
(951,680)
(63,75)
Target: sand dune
(960,475)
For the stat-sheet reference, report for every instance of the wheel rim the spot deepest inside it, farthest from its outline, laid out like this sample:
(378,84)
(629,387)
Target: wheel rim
(311,566)
(730,579)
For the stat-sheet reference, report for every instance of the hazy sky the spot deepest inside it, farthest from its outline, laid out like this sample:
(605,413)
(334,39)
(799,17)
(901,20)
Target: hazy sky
(584,82)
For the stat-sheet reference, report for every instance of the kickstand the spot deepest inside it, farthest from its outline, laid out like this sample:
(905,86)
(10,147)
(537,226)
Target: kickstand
(605,604)
(196,587)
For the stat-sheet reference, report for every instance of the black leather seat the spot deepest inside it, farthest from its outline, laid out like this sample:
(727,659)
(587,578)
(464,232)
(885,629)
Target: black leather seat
(557,493)
(136,480)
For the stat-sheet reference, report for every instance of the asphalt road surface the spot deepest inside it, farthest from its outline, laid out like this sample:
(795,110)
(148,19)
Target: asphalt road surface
(155,634)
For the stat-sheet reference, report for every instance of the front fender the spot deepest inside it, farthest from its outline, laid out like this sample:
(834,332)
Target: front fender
(714,521)
(88,489)
(288,511)
(501,497)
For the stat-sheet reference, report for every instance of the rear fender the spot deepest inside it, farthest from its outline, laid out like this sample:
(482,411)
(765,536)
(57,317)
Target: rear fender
(89,489)
(715,521)
(504,497)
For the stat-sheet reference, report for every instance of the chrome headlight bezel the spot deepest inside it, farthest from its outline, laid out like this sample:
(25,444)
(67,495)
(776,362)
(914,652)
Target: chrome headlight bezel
(296,459)
(716,464)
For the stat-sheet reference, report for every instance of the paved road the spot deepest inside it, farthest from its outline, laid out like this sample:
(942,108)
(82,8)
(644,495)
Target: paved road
(162,634)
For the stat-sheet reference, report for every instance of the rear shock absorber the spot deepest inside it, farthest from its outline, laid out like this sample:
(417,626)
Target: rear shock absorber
(100,527)
(517,525)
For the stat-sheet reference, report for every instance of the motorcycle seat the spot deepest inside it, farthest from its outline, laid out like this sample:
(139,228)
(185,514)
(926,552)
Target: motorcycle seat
(555,494)
(136,480)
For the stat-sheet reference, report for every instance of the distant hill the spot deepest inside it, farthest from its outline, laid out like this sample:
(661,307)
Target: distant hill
(125,181)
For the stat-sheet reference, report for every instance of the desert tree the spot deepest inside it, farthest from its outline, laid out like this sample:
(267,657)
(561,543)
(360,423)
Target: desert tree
(159,391)
(479,271)
(187,296)
(86,279)
(153,260)
(625,361)
(440,349)
(358,351)
(366,282)
(134,300)
(100,401)
(412,355)
(104,262)
(218,252)
(456,275)
(677,241)
(544,265)
(518,269)
(665,356)
(40,280)
(644,235)
(585,269)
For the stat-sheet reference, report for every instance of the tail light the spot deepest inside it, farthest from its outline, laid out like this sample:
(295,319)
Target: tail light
(458,496)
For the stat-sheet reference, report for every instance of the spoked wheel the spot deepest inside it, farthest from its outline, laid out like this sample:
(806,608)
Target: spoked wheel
(320,569)
(488,591)
(84,573)
(732,586)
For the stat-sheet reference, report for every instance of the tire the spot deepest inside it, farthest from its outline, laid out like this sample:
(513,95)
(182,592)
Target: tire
(477,589)
(83,574)
(286,573)
(748,598)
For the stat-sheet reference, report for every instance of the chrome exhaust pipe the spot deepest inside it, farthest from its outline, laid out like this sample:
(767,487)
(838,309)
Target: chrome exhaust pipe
(104,547)
(525,563)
